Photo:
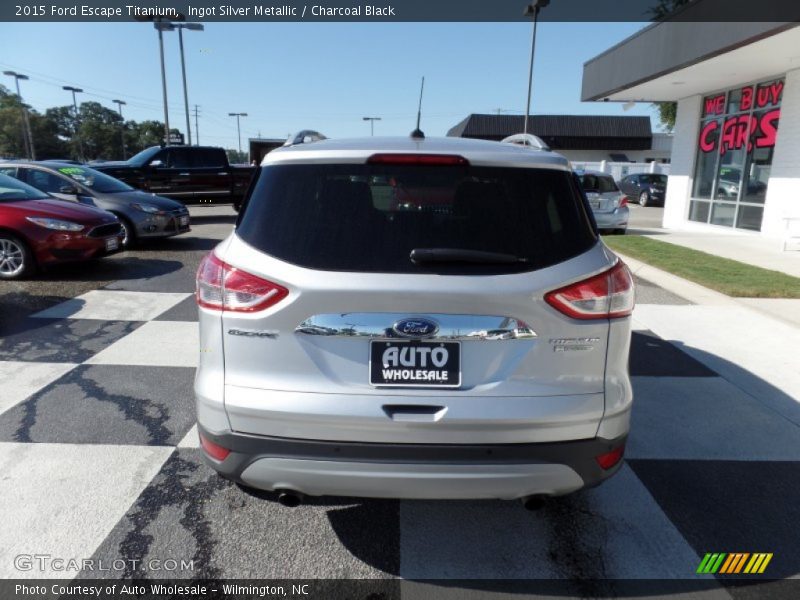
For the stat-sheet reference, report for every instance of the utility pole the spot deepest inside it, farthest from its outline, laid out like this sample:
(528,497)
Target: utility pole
(121,125)
(162,26)
(238,127)
(371,123)
(196,126)
(74,91)
(191,27)
(532,10)
(27,135)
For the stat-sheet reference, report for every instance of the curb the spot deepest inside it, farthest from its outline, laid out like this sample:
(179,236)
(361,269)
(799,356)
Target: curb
(694,292)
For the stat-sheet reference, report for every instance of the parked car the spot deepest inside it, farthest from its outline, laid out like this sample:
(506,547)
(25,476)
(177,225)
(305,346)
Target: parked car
(648,188)
(608,203)
(38,231)
(189,174)
(475,347)
(142,215)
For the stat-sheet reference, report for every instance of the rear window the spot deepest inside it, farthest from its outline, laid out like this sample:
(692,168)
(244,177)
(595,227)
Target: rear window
(598,183)
(369,218)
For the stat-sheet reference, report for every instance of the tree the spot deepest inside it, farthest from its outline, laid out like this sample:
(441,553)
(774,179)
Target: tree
(667,112)
(44,130)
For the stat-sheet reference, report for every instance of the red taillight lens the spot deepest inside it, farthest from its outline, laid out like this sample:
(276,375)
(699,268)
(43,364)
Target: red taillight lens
(215,451)
(417,159)
(223,287)
(623,202)
(608,295)
(609,459)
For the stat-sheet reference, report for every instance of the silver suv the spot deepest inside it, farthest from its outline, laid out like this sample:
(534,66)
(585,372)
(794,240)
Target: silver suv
(414,318)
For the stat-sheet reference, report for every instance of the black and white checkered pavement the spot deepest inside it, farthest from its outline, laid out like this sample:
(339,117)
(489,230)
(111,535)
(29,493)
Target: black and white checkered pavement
(99,459)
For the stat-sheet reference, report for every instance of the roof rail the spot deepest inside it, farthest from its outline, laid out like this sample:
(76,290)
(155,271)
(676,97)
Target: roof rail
(526,139)
(306,136)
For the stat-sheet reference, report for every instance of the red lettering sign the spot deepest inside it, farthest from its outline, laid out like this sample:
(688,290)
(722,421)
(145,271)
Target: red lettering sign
(769,129)
(769,95)
(715,105)
(707,144)
(747,99)
(743,131)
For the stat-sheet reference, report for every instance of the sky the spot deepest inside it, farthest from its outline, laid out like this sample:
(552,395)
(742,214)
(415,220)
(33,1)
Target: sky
(322,76)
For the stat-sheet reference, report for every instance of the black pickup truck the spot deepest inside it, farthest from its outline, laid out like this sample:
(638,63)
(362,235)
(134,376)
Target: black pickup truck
(189,174)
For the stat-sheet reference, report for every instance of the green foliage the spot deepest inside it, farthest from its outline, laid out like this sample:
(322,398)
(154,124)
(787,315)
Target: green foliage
(97,133)
(722,274)
(667,112)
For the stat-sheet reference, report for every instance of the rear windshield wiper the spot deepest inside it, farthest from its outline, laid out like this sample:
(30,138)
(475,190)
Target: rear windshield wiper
(450,255)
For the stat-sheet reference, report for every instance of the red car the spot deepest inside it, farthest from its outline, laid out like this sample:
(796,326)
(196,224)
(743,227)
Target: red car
(37,231)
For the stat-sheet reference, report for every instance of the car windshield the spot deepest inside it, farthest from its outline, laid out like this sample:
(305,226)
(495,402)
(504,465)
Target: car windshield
(144,156)
(94,180)
(394,218)
(13,190)
(654,179)
(598,183)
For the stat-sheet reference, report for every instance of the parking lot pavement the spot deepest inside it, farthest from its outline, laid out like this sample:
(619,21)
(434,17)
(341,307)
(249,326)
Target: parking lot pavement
(100,460)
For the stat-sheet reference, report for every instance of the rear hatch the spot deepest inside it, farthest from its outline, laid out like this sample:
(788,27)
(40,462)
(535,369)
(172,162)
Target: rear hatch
(392,293)
(602,192)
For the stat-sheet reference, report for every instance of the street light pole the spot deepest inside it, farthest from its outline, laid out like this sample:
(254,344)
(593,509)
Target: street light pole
(121,125)
(238,128)
(371,123)
(532,10)
(162,26)
(180,27)
(74,91)
(27,135)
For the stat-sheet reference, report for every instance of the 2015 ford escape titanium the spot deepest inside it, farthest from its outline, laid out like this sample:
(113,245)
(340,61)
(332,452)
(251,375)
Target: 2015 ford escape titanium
(414,318)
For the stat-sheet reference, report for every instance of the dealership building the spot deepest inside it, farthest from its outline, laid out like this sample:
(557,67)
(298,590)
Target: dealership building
(736,145)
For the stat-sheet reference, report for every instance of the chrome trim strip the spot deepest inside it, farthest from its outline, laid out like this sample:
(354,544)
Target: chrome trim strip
(451,327)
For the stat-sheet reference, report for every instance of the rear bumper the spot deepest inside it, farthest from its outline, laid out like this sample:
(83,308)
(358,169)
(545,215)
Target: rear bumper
(422,471)
(618,219)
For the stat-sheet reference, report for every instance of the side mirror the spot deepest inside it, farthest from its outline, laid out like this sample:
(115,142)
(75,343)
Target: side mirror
(68,190)
(156,163)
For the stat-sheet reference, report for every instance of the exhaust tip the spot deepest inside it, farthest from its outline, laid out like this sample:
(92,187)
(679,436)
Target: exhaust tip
(533,503)
(289,498)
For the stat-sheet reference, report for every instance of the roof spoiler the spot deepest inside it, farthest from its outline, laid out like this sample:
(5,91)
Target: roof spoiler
(526,139)
(306,136)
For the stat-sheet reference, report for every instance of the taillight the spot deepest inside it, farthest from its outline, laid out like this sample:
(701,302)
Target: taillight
(605,296)
(223,287)
(215,451)
(417,159)
(609,459)
(623,202)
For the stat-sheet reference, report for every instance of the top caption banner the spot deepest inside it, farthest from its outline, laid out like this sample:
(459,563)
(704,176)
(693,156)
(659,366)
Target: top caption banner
(403,11)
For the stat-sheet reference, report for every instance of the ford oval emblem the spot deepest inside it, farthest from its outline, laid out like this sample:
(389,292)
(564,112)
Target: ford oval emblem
(416,327)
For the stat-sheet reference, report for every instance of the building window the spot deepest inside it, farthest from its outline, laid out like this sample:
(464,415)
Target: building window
(738,129)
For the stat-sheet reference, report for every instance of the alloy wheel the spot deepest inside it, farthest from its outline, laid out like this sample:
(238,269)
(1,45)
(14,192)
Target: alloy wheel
(12,257)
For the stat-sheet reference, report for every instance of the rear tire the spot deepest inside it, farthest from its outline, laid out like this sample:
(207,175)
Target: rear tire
(644,199)
(16,259)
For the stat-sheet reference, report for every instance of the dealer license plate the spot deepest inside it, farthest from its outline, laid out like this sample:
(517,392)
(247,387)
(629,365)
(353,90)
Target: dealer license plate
(184,221)
(415,363)
(112,244)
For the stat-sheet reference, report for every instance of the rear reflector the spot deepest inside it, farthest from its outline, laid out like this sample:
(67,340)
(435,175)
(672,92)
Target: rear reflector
(215,451)
(608,295)
(609,459)
(223,287)
(417,159)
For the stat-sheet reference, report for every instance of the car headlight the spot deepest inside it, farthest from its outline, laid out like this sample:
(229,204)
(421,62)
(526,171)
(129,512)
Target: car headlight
(148,208)
(55,224)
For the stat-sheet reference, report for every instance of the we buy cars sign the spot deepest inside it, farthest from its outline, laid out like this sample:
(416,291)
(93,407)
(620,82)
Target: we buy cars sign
(756,129)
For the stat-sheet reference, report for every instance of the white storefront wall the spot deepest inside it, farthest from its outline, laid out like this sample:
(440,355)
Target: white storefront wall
(783,190)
